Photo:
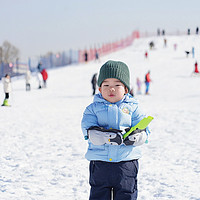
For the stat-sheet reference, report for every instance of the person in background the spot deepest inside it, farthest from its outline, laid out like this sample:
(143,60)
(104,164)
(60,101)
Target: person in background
(94,83)
(151,45)
(45,77)
(147,82)
(196,70)
(188,31)
(39,67)
(139,83)
(187,53)
(7,89)
(146,54)
(113,159)
(165,42)
(175,47)
(197,30)
(86,56)
(39,75)
(96,55)
(28,78)
(193,54)
(39,78)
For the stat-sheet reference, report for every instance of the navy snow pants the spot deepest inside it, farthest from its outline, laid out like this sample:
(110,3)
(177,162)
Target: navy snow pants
(120,177)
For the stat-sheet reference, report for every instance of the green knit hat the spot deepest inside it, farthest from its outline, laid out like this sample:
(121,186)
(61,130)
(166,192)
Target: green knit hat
(114,69)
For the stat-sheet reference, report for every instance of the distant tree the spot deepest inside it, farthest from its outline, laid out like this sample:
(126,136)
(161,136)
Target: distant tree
(50,53)
(8,52)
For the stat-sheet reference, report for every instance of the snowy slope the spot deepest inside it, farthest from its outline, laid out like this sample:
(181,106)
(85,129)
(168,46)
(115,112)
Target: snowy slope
(41,144)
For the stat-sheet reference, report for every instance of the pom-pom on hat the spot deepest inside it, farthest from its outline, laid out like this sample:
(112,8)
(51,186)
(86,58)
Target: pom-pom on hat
(114,69)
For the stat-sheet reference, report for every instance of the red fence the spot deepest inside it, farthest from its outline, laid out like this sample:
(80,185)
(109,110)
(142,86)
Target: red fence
(68,57)
(108,48)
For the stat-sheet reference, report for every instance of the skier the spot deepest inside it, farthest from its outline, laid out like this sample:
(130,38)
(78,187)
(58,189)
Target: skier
(175,46)
(193,52)
(151,45)
(39,66)
(165,42)
(96,56)
(147,82)
(113,160)
(94,83)
(39,76)
(86,56)
(146,54)
(188,31)
(139,83)
(187,53)
(197,30)
(196,67)
(7,89)
(45,77)
(28,78)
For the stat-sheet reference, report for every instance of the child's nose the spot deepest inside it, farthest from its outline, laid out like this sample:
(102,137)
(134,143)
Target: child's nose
(112,88)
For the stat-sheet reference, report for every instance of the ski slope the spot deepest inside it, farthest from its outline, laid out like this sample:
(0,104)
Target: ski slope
(41,144)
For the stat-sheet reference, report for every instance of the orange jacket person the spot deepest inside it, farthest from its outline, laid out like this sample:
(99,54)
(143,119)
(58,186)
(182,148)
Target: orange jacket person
(147,82)
(44,76)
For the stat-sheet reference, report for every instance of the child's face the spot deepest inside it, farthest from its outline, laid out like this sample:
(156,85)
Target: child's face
(113,90)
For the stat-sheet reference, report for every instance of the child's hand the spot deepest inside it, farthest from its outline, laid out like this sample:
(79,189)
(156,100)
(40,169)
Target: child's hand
(137,138)
(100,136)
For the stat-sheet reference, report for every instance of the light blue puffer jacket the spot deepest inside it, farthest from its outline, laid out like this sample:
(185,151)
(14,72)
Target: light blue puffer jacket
(119,115)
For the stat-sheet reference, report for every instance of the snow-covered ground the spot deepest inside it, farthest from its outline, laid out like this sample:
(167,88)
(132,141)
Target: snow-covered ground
(41,144)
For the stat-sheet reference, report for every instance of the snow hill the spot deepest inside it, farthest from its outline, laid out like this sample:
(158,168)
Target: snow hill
(41,144)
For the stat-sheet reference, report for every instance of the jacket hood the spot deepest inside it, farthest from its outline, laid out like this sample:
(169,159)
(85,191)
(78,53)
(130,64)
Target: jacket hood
(127,99)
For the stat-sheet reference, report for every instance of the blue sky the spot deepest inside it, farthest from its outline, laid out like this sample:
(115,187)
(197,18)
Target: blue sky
(39,26)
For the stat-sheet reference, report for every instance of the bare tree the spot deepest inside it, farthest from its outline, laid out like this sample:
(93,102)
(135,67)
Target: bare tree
(49,54)
(9,53)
